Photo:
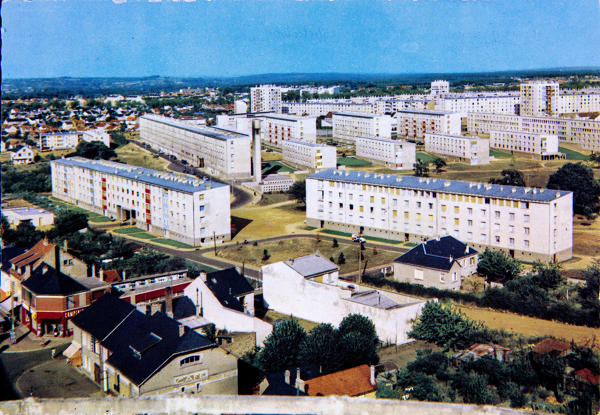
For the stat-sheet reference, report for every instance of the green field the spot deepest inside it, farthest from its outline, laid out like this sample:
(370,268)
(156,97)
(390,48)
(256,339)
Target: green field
(499,154)
(171,242)
(128,230)
(572,154)
(140,234)
(272,167)
(425,157)
(352,162)
(368,238)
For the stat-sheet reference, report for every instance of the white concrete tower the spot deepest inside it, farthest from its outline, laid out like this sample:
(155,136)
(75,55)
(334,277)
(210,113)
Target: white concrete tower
(256,159)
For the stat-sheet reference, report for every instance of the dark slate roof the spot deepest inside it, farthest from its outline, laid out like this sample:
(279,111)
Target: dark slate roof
(441,185)
(140,345)
(437,253)
(10,253)
(227,285)
(100,317)
(45,280)
(278,387)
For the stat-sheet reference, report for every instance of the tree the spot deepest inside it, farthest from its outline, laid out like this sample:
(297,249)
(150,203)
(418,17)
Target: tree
(578,179)
(421,169)
(510,177)
(595,158)
(547,276)
(321,347)
(95,150)
(281,350)
(341,259)
(474,388)
(266,255)
(26,235)
(429,362)
(335,243)
(439,164)
(6,232)
(67,222)
(497,266)
(298,191)
(358,341)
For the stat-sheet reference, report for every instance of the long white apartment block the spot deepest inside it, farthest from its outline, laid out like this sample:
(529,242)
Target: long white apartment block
(539,97)
(265,98)
(311,155)
(395,154)
(579,101)
(390,106)
(348,126)
(225,152)
(440,88)
(417,123)
(324,107)
(527,223)
(98,134)
(541,144)
(494,102)
(58,141)
(183,208)
(582,131)
(277,128)
(473,150)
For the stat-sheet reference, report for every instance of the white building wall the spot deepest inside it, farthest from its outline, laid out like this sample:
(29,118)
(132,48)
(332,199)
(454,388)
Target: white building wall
(313,156)
(265,98)
(97,134)
(395,154)
(58,141)
(415,123)
(276,129)
(475,150)
(539,98)
(536,143)
(348,126)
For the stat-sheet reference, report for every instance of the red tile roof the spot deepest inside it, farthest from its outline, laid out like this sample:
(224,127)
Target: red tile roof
(587,375)
(355,381)
(35,254)
(111,275)
(550,345)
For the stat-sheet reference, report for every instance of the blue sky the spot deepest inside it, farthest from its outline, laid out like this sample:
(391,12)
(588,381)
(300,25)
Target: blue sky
(45,38)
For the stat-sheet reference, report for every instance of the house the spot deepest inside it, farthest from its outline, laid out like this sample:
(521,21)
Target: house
(22,154)
(440,262)
(309,287)
(582,381)
(50,298)
(129,353)
(478,350)
(37,216)
(554,347)
(6,303)
(226,299)
(356,381)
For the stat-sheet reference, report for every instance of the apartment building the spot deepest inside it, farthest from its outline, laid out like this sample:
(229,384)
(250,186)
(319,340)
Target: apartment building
(311,155)
(58,141)
(277,128)
(265,98)
(179,207)
(276,183)
(395,154)
(347,126)
(582,131)
(472,150)
(98,134)
(439,88)
(324,107)
(417,123)
(225,152)
(540,98)
(493,102)
(393,105)
(541,144)
(579,101)
(527,223)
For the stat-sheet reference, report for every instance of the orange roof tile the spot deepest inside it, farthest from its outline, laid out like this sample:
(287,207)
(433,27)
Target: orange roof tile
(549,345)
(355,381)
(38,251)
(111,275)
(587,375)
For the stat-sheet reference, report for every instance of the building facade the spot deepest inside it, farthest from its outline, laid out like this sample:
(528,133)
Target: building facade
(310,155)
(543,145)
(223,151)
(472,150)
(179,207)
(276,183)
(98,134)
(439,88)
(347,126)
(58,141)
(527,223)
(417,123)
(395,154)
(265,98)
(323,107)
(277,128)
(539,98)
(493,102)
(22,154)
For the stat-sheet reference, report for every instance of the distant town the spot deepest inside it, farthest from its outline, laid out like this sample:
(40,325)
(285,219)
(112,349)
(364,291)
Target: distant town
(430,240)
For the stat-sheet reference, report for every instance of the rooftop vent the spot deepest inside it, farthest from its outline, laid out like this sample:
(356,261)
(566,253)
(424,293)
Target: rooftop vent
(447,183)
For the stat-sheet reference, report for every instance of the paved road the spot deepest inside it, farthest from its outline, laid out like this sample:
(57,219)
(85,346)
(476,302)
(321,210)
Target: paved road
(198,255)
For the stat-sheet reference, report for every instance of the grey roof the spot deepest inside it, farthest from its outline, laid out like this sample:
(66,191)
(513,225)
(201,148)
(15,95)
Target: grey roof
(356,114)
(305,143)
(284,117)
(441,185)
(385,140)
(213,132)
(373,298)
(439,253)
(189,184)
(425,112)
(311,265)
(276,178)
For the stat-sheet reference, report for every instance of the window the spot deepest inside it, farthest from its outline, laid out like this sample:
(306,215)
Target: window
(470,211)
(456,209)
(511,229)
(526,218)
(497,239)
(372,199)
(350,206)
(418,274)
(511,216)
(511,241)
(526,243)
(454,277)
(190,360)
(443,208)
(469,222)
(456,221)
(383,200)
(496,213)
(526,230)
(419,204)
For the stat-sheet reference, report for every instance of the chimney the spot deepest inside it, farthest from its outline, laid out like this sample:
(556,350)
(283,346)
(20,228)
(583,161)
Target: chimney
(286,376)
(372,380)
(57,258)
(169,300)
(256,162)
(181,330)
(101,274)
(124,275)
(203,276)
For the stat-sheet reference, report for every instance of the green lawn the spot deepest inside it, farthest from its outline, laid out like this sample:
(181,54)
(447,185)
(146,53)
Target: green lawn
(572,154)
(499,154)
(272,167)
(368,238)
(99,219)
(128,230)
(171,242)
(425,157)
(142,235)
(352,162)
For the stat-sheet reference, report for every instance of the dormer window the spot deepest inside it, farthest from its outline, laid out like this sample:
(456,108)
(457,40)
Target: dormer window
(190,360)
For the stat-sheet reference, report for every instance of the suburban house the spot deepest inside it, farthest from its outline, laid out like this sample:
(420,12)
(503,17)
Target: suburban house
(21,154)
(129,353)
(441,263)
(553,347)
(50,298)
(226,299)
(308,287)
(37,216)
(478,350)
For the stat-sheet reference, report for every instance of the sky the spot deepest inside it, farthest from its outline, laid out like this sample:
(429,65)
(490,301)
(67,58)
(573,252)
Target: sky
(126,38)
